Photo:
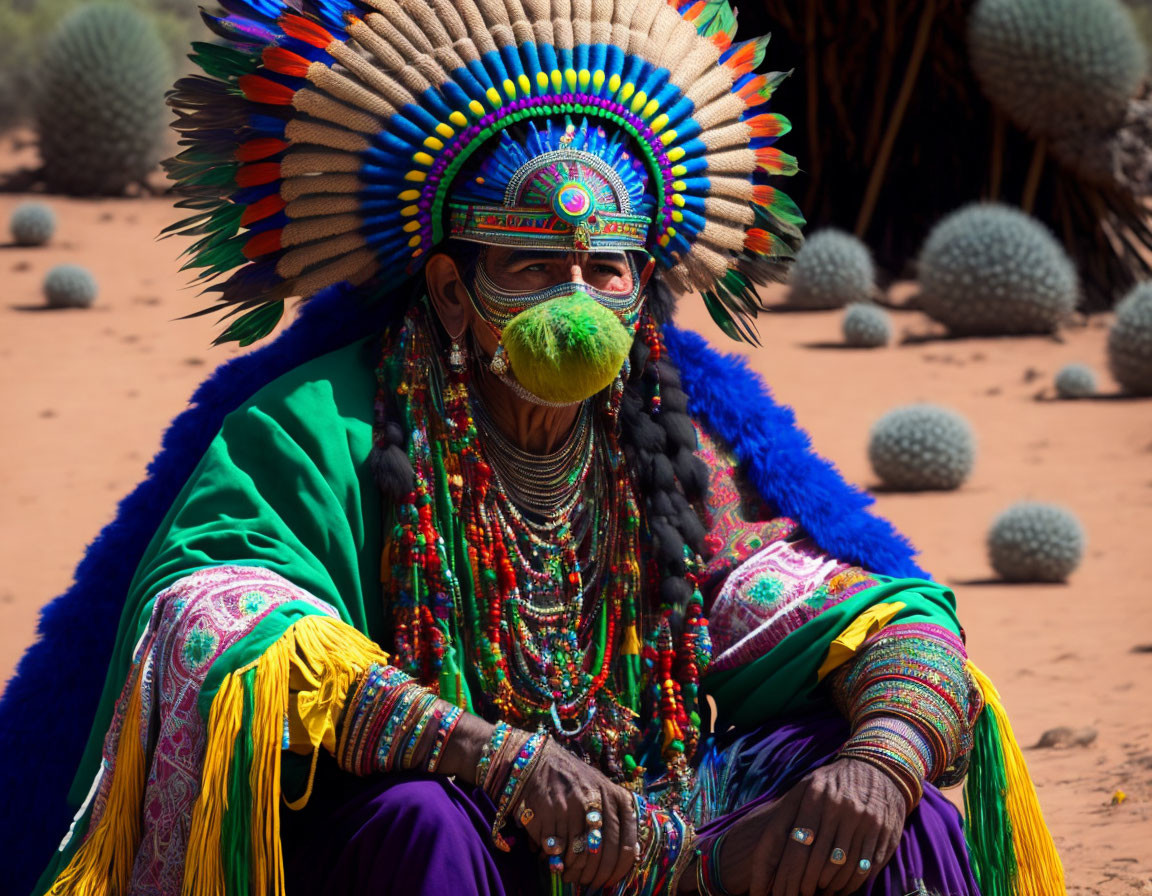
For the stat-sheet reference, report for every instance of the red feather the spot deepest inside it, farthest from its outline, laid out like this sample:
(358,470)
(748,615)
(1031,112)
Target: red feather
(767,125)
(258,174)
(262,244)
(302,29)
(285,62)
(261,209)
(260,148)
(262,90)
(758,241)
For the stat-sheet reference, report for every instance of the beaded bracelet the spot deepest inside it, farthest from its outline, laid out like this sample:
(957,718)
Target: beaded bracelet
(518,775)
(499,734)
(447,722)
(424,715)
(398,720)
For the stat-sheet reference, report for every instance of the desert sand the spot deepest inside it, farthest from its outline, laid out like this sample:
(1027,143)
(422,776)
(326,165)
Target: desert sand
(87,395)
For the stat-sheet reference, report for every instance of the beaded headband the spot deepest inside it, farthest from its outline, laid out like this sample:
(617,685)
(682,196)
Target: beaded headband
(326,136)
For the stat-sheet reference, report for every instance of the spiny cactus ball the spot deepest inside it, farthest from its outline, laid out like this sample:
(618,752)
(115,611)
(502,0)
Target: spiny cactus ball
(990,269)
(99,101)
(866,326)
(69,286)
(1056,67)
(1130,341)
(832,269)
(1033,542)
(921,447)
(32,224)
(1075,381)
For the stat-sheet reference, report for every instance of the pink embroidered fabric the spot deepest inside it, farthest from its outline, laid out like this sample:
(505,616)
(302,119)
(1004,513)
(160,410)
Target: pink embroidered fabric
(192,623)
(765,577)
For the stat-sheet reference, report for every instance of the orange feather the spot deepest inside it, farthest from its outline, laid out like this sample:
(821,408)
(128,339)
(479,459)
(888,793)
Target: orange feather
(750,92)
(772,160)
(259,148)
(763,195)
(262,90)
(758,241)
(302,29)
(285,62)
(743,57)
(261,209)
(258,174)
(767,125)
(262,244)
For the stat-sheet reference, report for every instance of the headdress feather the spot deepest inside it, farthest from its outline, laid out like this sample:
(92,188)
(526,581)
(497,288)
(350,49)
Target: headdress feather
(325,136)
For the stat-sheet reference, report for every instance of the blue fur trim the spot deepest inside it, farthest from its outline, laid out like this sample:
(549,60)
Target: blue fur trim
(734,405)
(48,706)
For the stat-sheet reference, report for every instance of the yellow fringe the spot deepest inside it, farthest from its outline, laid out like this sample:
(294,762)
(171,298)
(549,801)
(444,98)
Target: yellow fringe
(309,671)
(631,644)
(1039,870)
(103,863)
(203,868)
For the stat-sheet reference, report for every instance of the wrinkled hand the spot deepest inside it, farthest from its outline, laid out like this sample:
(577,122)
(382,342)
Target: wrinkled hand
(559,791)
(849,804)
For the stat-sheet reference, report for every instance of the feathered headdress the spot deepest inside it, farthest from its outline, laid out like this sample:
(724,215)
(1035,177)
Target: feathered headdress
(324,140)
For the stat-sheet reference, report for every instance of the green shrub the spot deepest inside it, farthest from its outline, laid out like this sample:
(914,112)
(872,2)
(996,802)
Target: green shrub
(100,101)
(921,447)
(832,269)
(991,269)
(1075,381)
(1130,341)
(866,326)
(32,224)
(69,286)
(1032,542)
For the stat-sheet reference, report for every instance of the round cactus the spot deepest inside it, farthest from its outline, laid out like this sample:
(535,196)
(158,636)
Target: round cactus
(1130,341)
(990,269)
(69,286)
(32,224)
(100,101)
(1075,381)
(1057,67)
(1032,542)
(866,326)
(832,269)
(921,447)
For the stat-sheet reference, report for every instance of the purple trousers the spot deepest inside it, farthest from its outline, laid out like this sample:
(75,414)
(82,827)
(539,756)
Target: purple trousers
(419,835)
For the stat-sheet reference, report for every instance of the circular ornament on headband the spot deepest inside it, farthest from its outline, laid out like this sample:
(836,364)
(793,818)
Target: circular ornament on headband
(326,137)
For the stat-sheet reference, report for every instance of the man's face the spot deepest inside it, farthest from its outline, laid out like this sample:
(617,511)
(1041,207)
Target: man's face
(533,270)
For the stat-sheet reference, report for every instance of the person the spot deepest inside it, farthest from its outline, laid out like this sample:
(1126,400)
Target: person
(509,585)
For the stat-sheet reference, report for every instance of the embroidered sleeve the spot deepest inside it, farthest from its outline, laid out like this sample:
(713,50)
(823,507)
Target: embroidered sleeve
(911,705)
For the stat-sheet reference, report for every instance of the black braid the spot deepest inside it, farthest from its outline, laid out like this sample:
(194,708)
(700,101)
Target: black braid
(660,446)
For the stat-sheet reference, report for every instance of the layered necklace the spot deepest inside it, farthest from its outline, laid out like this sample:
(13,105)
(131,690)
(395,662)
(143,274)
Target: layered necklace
(531,559)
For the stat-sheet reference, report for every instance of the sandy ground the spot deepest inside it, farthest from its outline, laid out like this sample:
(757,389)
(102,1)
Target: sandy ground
(87,395)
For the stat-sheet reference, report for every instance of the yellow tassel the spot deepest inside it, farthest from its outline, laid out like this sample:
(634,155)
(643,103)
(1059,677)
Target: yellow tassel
(1039,870)
(203,867)
(631,645)
(103,863)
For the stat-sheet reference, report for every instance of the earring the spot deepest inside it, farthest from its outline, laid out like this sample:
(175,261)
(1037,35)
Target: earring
(457,354)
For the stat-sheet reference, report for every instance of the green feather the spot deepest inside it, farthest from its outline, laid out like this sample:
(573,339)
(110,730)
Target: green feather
(253,326)
(717,17)
(222,62)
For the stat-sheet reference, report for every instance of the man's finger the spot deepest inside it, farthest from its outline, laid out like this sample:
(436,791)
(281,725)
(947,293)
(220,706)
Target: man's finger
(607,810)
(801,836)
(626,815)
(820,853)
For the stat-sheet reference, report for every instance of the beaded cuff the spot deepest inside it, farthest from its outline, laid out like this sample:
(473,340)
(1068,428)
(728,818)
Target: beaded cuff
(908,698)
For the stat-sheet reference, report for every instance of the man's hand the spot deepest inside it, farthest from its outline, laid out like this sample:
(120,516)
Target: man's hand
(848,805)
(559,792)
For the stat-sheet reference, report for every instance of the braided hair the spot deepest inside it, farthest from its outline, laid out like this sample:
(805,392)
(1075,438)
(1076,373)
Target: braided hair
(659,442)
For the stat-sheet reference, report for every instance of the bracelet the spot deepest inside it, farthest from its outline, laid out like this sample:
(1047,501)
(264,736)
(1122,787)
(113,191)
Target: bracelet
(518,775)
(393,725)
(447,723)
(499,734)
(408,754)
(683,857)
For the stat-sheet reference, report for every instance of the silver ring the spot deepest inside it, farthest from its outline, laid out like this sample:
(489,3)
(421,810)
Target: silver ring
(838,856)
(803,836)
(864,866)
(578,846)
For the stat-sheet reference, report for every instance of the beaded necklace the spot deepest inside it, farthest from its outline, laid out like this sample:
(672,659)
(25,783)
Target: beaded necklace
(519,577)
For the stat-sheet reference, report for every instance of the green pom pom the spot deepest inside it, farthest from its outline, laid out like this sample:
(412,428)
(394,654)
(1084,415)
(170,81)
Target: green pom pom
(629,763)
(1130,341)
(566,349)
(69,286)
(866,326)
